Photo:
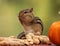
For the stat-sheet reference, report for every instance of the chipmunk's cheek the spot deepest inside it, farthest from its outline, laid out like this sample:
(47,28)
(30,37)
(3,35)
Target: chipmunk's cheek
(28,19)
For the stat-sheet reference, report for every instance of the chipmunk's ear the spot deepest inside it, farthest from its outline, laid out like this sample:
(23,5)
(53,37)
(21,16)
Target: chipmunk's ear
(31,9)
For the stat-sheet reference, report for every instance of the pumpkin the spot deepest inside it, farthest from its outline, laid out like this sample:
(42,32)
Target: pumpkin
(54,33)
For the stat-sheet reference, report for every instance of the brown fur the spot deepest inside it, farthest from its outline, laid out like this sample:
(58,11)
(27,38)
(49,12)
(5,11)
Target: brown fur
(31,24)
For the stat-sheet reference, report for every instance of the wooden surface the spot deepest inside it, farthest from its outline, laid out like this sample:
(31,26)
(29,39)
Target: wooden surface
(43,45)
(29,45)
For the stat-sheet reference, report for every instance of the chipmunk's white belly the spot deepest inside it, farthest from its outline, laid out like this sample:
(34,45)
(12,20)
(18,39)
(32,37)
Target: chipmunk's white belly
(28,29)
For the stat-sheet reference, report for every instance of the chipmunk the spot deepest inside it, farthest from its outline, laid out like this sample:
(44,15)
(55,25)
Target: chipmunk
(30,23)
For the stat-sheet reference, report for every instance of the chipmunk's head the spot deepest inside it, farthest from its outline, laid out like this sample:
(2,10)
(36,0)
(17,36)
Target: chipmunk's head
(26,15)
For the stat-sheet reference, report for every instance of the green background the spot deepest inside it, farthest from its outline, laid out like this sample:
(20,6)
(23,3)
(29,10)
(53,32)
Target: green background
(47,10)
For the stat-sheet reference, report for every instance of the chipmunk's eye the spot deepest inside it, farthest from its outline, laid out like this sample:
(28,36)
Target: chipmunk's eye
(25,12)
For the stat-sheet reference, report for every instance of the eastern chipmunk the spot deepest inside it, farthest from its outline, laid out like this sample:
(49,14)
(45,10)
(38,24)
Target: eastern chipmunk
(30,23)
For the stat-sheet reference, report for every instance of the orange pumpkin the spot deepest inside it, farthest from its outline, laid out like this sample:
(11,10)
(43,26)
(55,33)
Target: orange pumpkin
(54,33)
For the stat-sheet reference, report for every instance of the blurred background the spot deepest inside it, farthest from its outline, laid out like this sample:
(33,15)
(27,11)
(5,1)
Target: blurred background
(47,10)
